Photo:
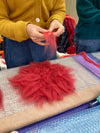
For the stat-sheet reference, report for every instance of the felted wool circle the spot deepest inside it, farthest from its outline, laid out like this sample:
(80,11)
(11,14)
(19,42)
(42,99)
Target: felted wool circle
(43,82)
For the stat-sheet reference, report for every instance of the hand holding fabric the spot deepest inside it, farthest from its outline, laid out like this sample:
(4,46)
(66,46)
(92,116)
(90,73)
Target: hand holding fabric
(57,28)
(36,33)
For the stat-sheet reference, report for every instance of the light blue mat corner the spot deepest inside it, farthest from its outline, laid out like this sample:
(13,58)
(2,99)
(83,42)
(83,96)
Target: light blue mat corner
(87,121)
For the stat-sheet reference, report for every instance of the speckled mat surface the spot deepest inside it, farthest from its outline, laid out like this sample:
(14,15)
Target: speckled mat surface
(17,114)
(87,121)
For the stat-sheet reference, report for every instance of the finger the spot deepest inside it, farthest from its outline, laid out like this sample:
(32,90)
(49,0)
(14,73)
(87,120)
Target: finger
(52,28)
(54,25)
(38,42)
(41,30)
(41,43)
(59,32)
(39,36)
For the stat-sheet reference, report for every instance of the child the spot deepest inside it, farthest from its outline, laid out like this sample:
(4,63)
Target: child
(88,27)
(22,24)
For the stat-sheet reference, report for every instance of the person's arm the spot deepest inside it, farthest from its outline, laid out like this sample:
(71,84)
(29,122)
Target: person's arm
(12,30)
(56,19)
(87,12)
(58,12)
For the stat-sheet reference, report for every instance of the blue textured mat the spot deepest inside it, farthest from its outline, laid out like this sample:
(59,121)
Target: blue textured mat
(87,121)
(95,56)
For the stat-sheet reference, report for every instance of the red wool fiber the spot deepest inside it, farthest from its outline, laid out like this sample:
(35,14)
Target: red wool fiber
(1,100)
(88,59)
(50,42)
(69,23)
(43,82)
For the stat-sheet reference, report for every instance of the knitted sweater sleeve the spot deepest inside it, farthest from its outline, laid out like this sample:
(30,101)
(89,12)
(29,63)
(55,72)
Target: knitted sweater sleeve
(58,12)
(13,30)
(87,12)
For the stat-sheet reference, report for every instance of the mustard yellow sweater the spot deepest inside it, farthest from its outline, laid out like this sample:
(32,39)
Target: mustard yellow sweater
(16,14)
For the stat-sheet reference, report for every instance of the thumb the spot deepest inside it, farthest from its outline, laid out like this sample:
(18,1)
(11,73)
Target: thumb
(51,28)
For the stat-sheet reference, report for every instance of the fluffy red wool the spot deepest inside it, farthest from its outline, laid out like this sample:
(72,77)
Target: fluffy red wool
(69,23)
(51,42)
(43,82)
(1,100)
(71,49)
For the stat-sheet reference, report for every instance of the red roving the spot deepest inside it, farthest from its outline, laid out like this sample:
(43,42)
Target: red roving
(71,49)
(88,59)
(69,23)
(43,82)
(50,42)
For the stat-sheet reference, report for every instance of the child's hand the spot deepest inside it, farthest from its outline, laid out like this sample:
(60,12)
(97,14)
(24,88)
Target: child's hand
(36,33)
(56,27)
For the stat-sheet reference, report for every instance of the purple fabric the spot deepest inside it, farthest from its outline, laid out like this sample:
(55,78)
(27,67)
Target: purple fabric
(94,69)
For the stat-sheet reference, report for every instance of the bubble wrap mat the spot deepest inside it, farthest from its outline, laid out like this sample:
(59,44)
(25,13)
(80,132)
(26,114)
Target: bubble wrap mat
(11,103)
(18,115)
(87,121)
